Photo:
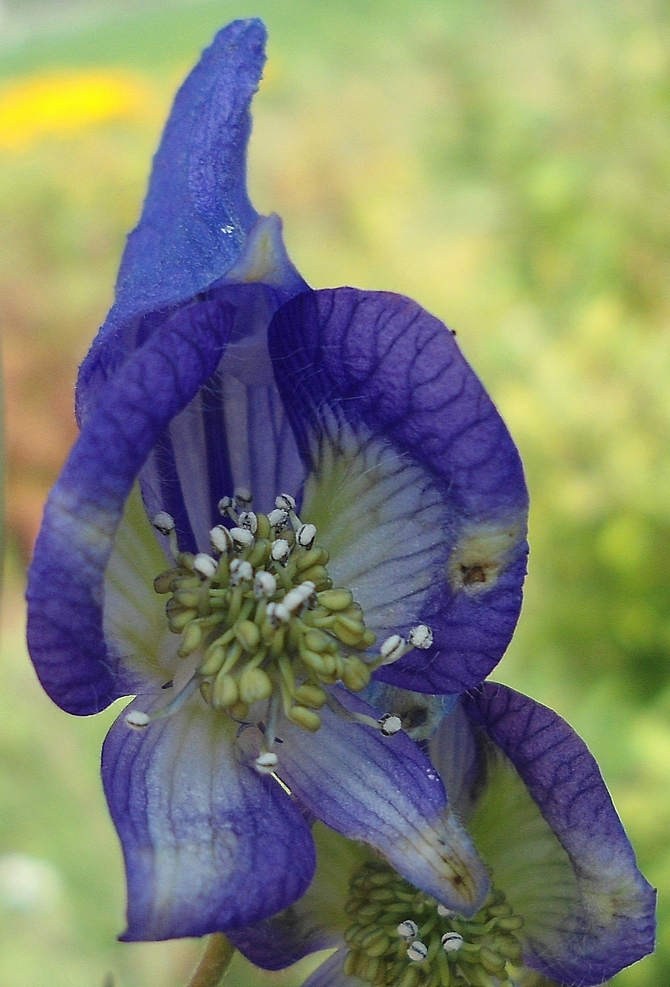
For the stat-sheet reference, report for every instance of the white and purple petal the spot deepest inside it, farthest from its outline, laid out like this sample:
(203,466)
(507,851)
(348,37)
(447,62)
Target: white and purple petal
(134,621)
(372,380)
(76,666)
(555,842)
(209,844)
(384,792)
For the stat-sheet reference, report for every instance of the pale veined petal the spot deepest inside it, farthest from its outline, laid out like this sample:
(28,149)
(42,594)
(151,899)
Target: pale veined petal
(208,843)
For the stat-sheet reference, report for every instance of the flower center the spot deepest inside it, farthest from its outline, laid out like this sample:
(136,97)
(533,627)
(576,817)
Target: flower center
(265,622)
(401,937)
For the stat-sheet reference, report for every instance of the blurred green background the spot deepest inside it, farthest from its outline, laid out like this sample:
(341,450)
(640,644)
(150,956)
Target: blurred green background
(506,163)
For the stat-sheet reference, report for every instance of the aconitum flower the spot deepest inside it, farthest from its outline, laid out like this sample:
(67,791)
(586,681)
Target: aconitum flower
(277,496)
(566,906)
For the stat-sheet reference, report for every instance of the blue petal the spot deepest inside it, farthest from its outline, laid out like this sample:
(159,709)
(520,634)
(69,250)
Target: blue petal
(383,791)
(331,973)
(316,921)
(610,923)
(65,586)
(234,434)
(208,844)
(375,369)
(283,940)
(197,212)
(455,753)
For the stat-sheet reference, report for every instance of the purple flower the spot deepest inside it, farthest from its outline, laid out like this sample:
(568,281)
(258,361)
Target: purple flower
(567,904)
(321,490)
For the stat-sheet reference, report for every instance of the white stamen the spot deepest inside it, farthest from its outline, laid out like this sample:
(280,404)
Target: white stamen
(280,550)
(451,942)
(308,589)
(298,596)
(163,522)
(390,724)
(265,585)
(418,951)
(305,535)
(220,539)
(225,505)
(242,538)
(445,912)
(278,519)
(349,714)
(249,520)
(240,571)
(243,498)
(205,565)
(392,649)
(277,614)
(266,762)
(285,501)
(137,720)
(421,637)
(408,930)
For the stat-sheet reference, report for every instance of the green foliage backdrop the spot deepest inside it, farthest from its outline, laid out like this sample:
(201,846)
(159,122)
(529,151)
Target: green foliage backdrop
(504,162)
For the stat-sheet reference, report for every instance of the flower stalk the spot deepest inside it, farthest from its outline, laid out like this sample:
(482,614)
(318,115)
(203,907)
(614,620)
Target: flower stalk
(214,964)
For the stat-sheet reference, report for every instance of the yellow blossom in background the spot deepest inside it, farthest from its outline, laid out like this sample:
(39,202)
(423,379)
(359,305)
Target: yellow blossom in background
(61,104)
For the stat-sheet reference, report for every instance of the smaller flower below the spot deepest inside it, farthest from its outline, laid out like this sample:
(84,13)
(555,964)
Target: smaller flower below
(450,948)
(566,906)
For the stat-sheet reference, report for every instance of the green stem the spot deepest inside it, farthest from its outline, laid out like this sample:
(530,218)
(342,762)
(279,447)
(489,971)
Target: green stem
(213,967)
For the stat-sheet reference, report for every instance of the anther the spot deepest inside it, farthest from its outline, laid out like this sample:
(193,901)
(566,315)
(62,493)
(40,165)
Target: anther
(265,585)
(420,637)
(392,649)
(418,951)
(242,538)
(266,762)
(280,551)
(285,502)
(278,614)
(451,942)
(408,930)
(225,505)
(278,519)
(205,565)
(163,522)
(445,912)
(249,520)
(296,598)
(220,539)
(243,498)
(240,571)
(137,720)
(390,724)
(305,535)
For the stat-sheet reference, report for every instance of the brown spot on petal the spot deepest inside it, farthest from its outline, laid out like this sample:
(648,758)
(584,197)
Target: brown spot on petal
(480,555)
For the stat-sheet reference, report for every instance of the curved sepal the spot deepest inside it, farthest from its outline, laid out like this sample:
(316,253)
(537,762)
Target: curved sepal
(197,212)
(375,370)
(209,844)
(588,911)
(65,581)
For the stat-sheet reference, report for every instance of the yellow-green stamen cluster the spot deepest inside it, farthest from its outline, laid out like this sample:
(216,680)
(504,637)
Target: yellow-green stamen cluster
(401,937)
(263,615)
